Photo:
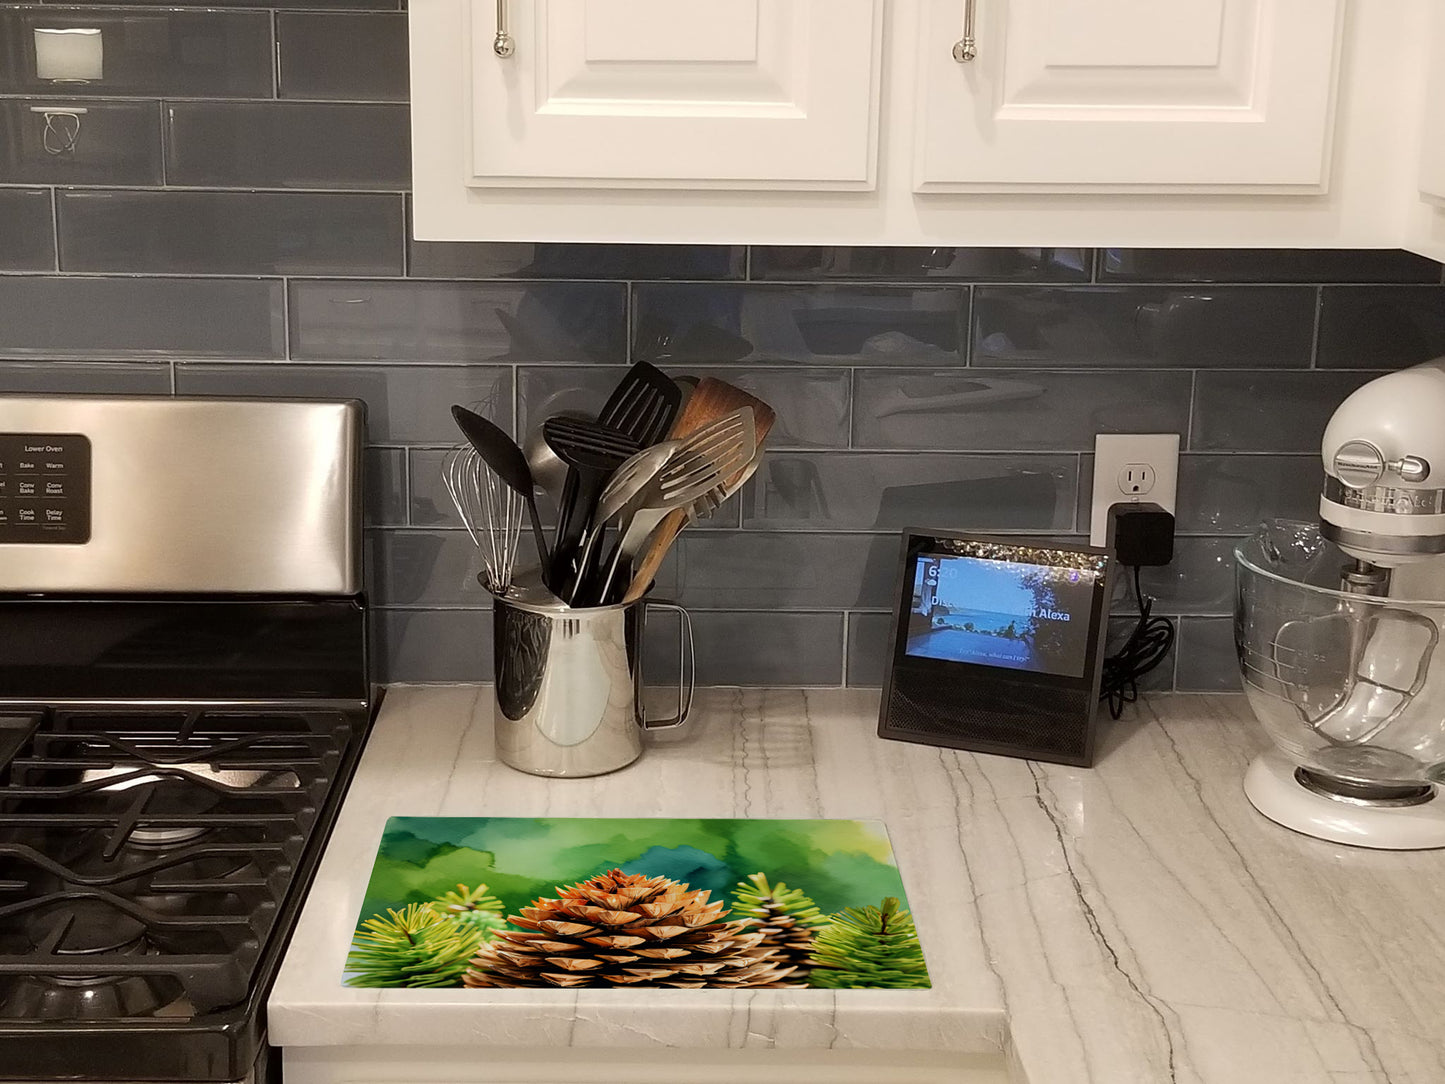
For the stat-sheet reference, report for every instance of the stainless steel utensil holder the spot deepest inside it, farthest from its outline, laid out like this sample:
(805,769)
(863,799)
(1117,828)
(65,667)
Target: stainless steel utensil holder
(569,685)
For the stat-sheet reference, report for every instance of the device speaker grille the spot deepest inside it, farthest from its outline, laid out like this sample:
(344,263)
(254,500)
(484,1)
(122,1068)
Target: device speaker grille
(1014,720)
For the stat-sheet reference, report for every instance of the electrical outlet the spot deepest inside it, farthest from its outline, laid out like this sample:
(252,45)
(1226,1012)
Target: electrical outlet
(1132,467)
(1137,479)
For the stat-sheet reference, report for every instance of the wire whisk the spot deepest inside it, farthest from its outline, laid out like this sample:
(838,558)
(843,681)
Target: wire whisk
(491,510)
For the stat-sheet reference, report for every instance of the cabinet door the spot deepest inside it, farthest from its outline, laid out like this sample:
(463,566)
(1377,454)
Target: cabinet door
(1128,95)
(675,94)
(1432,146)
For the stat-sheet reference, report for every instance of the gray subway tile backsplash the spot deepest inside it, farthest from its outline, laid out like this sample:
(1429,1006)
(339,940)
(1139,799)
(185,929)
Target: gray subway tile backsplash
(233,219)
(450,321)
(828,491)
(27,230)
(898,264)
(405,404)
(431,645)
(230,233)
(1232,494)
(428,503)
(1109,327)
(109,143)
(1264,265)
(762,648)
(1200,579)
(1207,660)
(1267,412)
(386,501)
(778,570)
(868,648)
(119,317)
(148,53)
(411,568)
(1381,327)
(94,377)
(720,323)
(346,56)
(505,259)
(1017,410)
(330,145)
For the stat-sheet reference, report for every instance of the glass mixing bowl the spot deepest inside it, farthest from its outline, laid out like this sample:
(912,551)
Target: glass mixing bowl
(1350,687)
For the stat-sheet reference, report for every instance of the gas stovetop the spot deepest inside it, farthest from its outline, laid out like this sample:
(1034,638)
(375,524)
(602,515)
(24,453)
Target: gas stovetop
(143,855)
(146,859)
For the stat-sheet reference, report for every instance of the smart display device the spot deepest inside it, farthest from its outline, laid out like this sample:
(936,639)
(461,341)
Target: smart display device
(997,645)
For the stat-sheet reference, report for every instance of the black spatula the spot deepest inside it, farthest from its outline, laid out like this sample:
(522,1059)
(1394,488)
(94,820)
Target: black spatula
(643,405)
(592,452)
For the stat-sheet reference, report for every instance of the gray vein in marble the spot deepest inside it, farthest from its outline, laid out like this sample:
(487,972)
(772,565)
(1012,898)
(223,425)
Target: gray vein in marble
(455,763)
(1096,927)
(1281,927)
(1165,858)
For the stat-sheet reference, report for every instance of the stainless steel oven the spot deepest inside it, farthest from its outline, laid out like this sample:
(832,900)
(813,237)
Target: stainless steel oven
(184,693)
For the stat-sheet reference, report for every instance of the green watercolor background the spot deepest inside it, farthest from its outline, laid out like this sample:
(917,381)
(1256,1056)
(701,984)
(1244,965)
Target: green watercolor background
(839,863)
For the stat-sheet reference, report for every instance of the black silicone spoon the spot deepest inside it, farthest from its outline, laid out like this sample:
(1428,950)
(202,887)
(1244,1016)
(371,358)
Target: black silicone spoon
(500,452)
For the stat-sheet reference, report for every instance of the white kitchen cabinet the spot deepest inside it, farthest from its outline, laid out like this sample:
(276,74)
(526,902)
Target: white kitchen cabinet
(673,94)
(488,1064)
(1212,123)
(1128,95)
(1427,220)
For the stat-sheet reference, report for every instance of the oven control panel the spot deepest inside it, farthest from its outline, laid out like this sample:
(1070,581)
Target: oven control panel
(44,488)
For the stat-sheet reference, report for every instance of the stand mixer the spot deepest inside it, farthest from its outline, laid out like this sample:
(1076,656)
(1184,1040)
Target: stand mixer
(1338,628)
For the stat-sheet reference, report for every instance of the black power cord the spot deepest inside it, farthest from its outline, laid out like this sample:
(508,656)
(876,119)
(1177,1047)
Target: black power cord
(1145,649)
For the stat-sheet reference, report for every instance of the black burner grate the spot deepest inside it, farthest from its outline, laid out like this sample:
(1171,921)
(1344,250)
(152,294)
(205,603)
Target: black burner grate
(145,856)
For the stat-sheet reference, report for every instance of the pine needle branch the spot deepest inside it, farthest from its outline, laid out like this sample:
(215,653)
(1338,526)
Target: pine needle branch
(875,947)
(413,947)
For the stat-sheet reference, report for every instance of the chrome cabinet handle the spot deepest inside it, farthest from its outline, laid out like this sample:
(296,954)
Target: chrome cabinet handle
(502,44)
(966,47)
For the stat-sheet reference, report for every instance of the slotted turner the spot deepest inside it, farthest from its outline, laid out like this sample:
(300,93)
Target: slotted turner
(711,399)
(701,465)
(644,405)
(592,452)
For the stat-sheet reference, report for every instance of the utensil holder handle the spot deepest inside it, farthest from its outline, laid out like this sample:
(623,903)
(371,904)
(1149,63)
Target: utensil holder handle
(687,675)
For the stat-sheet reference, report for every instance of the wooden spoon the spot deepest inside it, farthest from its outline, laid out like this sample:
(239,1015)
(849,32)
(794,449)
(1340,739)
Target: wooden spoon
(712,399)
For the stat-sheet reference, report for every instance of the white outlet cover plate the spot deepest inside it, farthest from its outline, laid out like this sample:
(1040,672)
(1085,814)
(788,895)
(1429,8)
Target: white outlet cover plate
(1112,451)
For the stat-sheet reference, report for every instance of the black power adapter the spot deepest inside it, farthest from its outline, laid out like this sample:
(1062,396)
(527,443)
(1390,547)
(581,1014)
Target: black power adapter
(1139,534)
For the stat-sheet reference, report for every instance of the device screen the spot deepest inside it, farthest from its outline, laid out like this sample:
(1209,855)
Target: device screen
(1001,613)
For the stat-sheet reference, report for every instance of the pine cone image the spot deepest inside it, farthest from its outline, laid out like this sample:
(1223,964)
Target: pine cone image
(786,917)
(620,929)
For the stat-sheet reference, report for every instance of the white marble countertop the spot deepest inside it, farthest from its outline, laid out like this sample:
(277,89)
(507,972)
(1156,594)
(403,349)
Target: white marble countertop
(1137,922)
